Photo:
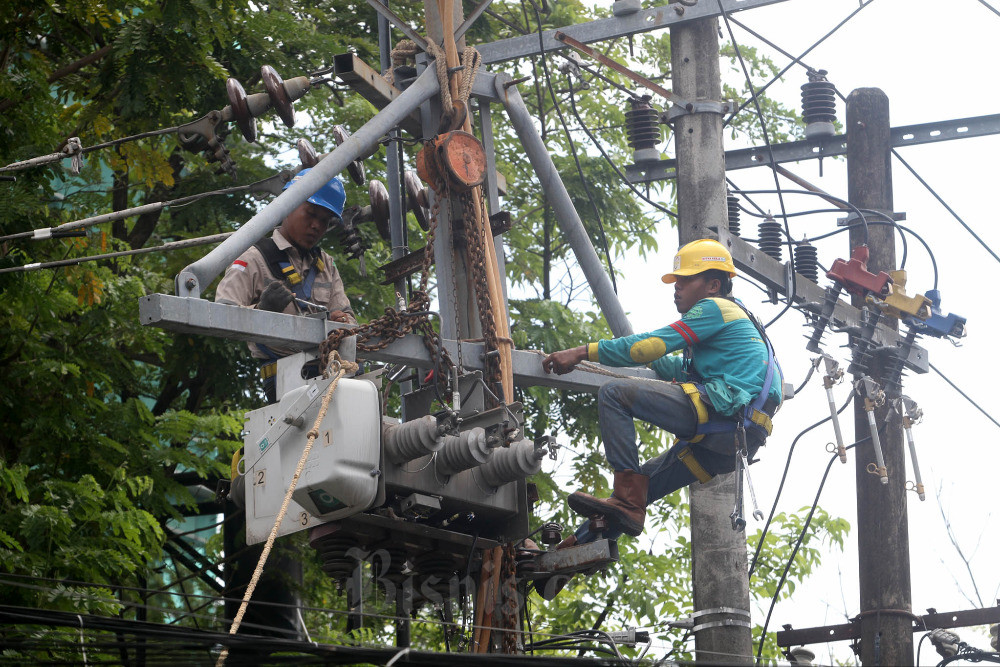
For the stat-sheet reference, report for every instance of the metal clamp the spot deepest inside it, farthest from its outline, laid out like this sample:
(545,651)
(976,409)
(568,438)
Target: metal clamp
(742,622)
(677,111)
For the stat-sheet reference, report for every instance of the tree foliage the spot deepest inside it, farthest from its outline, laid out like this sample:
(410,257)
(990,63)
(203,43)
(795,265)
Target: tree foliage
(103,417)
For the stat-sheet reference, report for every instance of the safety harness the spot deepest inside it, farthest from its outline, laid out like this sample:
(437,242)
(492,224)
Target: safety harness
(752,416)
(282,268)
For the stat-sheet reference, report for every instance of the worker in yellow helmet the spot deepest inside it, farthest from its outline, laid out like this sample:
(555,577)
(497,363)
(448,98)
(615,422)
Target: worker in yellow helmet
(727,376)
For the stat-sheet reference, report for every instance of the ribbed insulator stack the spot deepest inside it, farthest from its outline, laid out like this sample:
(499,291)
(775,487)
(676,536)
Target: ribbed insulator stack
(411,440)
(339,556)
(642,125)
(508,464)
(436,571)
(769,235)
(733,204)
(460,452)
(819,105)
(807,261)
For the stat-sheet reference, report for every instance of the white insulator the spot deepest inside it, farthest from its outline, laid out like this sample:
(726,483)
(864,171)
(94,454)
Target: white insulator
(411,440)
(460,452)
(512,463)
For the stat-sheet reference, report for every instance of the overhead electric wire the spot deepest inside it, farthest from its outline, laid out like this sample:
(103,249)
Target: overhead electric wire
(964,395)
(798,544)
(795,61)
(946,206)
(607,158)
(166,247)
(770,152)
(46,232)
(990,7)
(781,485)
(572,145)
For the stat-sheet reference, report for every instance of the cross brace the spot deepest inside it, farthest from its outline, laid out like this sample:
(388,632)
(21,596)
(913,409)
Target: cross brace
(931,621)
(198,316)
(795,151)
(808,294)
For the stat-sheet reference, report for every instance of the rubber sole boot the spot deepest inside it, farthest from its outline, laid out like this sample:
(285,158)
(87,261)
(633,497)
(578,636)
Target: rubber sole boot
(549,587)
(625,509)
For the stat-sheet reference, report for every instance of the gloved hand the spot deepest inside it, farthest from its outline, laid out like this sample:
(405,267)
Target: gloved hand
(275,297)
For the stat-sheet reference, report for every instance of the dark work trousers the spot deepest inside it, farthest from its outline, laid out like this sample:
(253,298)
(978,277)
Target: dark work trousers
(662,404)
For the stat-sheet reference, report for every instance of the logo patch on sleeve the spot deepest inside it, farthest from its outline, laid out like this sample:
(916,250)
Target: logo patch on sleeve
(239,265)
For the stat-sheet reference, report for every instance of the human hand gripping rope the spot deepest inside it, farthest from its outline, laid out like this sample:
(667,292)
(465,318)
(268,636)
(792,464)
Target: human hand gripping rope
(339,368)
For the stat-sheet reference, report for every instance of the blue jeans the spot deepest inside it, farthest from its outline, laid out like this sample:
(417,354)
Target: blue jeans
(667,406)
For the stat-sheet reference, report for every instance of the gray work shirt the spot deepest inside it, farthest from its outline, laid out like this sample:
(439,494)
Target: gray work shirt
(247,277)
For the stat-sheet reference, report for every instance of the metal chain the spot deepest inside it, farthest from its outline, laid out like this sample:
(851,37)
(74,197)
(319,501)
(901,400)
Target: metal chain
(508,605)
(477,267)
(394,324)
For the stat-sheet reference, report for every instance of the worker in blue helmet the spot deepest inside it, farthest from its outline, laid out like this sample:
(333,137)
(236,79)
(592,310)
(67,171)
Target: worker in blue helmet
(289,273)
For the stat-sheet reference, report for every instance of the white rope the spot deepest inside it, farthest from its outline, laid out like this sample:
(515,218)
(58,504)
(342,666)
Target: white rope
(342,368)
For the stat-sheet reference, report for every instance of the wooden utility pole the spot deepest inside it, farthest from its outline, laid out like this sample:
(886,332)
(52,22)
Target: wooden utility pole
(719,556)
(883,535)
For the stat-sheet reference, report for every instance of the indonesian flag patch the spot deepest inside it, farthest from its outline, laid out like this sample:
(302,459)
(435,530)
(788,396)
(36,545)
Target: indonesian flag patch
(239,265)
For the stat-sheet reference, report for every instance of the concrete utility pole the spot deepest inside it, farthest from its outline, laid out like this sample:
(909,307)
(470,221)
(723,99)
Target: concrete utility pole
(718,553)
(883,535)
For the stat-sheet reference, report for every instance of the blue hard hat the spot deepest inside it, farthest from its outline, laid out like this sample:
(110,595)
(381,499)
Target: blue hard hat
(331,196)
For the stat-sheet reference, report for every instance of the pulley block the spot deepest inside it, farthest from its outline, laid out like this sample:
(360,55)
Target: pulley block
(854,276)
(456,157)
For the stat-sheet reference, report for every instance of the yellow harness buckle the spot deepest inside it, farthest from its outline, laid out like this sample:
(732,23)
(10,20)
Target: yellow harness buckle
(761,419)
(691,389)
(686,456)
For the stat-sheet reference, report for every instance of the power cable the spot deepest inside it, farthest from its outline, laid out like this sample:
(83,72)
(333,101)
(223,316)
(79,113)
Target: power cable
(798,544)
(770,152)
(262,185)
(607,158)
(945,204)
(795,61)
(989,7)
(572,144)
(964,395)
(166,247)
(781,485)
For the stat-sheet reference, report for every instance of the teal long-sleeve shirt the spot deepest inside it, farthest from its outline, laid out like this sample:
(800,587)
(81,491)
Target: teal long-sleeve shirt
(727,354)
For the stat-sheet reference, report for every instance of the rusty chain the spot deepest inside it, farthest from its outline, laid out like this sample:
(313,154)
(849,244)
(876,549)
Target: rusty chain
(394,324)
(509,599)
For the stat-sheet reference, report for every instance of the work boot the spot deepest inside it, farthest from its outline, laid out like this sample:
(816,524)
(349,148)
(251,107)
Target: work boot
(625,509)
(548,587)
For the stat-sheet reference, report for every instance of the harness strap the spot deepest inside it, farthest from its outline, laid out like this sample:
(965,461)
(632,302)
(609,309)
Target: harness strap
(686,456)
(281,267)
(694,395)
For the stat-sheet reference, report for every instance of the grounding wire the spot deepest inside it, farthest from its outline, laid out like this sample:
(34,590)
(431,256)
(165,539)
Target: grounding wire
(166,247)
(798,544)
(572,144)
(945,204)
(607,158)
(781,485)
(770,153)
(920,644)
(964,395)
(795,61)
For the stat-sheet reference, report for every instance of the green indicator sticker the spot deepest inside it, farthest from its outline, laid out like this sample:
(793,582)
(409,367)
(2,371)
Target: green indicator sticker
(263,444)
(325,502)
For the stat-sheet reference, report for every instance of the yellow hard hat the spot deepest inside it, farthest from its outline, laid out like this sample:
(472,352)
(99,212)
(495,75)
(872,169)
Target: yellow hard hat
(701,255)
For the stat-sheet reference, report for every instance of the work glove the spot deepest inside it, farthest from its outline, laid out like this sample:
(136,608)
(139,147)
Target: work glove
(275,297)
